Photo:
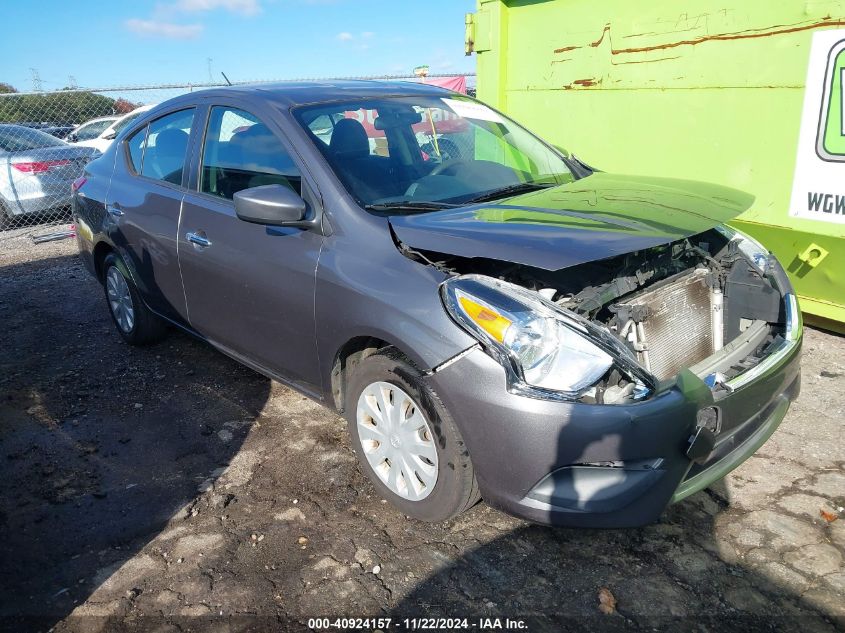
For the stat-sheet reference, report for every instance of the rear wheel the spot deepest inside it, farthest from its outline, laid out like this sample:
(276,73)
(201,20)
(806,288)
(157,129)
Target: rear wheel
(406,441)
(134,321)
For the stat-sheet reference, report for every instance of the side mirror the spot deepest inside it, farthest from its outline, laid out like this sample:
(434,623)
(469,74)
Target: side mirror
(275,205)
(71,138)
(110,136)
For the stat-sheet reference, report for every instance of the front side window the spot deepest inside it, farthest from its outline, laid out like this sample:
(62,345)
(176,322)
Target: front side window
(166,147)
(428,150)
(241,152)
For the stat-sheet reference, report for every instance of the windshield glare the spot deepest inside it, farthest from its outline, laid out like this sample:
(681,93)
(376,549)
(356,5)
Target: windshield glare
(449,149)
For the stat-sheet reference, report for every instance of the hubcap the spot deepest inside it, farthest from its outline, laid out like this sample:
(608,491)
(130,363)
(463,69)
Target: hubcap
(397,440)
(120,301)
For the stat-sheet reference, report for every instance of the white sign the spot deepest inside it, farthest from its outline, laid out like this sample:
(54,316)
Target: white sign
(818,188)
(473,110)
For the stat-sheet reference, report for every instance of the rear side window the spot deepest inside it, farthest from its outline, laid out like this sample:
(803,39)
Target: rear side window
(241,152)
(136,148)
(166,147)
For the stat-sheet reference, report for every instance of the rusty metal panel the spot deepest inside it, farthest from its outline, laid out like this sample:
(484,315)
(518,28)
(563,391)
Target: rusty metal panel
(701,90)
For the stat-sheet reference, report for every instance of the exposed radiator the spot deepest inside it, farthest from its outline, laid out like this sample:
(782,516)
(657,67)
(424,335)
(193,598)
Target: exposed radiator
(677,330)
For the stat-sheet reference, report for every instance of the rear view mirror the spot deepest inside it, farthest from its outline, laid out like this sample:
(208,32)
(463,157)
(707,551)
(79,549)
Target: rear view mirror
(275,205)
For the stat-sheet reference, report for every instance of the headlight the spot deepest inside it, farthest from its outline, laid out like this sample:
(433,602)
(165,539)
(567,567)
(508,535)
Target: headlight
(544,347)
(757,253)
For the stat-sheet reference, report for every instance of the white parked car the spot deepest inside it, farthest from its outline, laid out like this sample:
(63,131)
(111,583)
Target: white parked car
(105,138)
(90,129)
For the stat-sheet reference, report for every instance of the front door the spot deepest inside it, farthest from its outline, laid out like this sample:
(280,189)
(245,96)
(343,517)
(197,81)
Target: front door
(144,203)
(249,287)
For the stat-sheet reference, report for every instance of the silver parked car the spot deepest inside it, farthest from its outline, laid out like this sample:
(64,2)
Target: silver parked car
(36,171)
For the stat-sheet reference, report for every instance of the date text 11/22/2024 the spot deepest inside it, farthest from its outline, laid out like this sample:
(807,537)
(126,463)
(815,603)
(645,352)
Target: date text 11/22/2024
(416,624)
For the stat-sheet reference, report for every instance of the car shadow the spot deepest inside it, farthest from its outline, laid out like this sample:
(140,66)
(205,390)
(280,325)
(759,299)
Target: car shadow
(101,444)
(679,574)
(670,576)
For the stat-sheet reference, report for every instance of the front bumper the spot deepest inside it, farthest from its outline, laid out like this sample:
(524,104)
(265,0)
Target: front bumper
(585,465)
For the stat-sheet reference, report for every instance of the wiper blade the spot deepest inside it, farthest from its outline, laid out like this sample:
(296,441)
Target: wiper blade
(410,205)
(520,187)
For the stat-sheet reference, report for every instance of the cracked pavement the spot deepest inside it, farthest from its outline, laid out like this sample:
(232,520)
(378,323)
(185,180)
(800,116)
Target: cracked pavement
(169,488)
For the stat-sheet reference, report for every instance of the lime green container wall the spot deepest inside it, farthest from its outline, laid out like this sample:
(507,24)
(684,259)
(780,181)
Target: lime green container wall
(691,90)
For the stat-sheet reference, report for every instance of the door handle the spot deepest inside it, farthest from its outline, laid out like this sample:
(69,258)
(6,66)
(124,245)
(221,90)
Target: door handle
(197,239)
(114,211)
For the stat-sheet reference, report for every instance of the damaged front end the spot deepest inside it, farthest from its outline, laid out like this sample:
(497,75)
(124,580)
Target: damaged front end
(648,349)
(613,331)
(652,374)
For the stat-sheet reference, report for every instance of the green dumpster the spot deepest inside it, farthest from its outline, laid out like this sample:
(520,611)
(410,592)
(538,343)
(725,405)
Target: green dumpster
(747,94)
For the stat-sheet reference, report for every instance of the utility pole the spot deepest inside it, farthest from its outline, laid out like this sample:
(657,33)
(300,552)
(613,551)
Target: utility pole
(71,82)
(210,75)
(36,80)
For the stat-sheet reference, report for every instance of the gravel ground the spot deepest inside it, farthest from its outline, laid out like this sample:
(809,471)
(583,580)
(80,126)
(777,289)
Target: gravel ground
(169,488)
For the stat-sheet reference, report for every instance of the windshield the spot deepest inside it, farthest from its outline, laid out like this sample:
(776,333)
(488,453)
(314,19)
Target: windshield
(429,152)
(16,138)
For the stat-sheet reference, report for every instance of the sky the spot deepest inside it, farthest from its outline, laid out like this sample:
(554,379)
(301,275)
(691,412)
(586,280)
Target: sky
(140,42)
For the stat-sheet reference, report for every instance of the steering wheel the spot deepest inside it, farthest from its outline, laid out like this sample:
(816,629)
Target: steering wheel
(451,165)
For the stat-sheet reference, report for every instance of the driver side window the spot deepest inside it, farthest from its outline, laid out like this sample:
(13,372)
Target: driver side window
(241,152)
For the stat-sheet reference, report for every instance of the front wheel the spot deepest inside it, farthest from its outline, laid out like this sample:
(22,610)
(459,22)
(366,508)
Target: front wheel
(134,321)
(406,441)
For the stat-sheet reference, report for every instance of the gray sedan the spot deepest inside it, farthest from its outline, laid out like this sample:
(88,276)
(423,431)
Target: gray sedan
(36,172)
(493,318)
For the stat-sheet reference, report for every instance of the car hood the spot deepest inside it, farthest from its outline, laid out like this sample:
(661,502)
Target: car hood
(593,218)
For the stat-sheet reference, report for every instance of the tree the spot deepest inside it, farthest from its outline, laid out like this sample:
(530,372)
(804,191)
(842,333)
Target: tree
(124,106)
(7,88)
(59,107)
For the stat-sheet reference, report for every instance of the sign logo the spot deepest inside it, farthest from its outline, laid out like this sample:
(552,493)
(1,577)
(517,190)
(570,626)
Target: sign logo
(830,143)
(818,187)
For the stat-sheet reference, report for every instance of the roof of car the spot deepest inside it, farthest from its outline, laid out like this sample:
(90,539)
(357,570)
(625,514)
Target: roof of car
(301,92)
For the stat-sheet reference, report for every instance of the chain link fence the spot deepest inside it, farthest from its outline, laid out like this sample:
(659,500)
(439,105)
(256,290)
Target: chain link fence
(46,138)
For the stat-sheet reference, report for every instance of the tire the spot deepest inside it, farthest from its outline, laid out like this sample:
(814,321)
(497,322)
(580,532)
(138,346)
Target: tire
(133,320)
(426,428)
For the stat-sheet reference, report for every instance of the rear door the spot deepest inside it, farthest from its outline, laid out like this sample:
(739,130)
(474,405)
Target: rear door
(144,204)
(249,287)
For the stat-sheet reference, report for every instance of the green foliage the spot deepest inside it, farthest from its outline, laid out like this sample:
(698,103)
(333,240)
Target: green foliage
(64,107)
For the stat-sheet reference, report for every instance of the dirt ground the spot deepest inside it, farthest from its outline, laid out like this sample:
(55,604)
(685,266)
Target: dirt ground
(170,489)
